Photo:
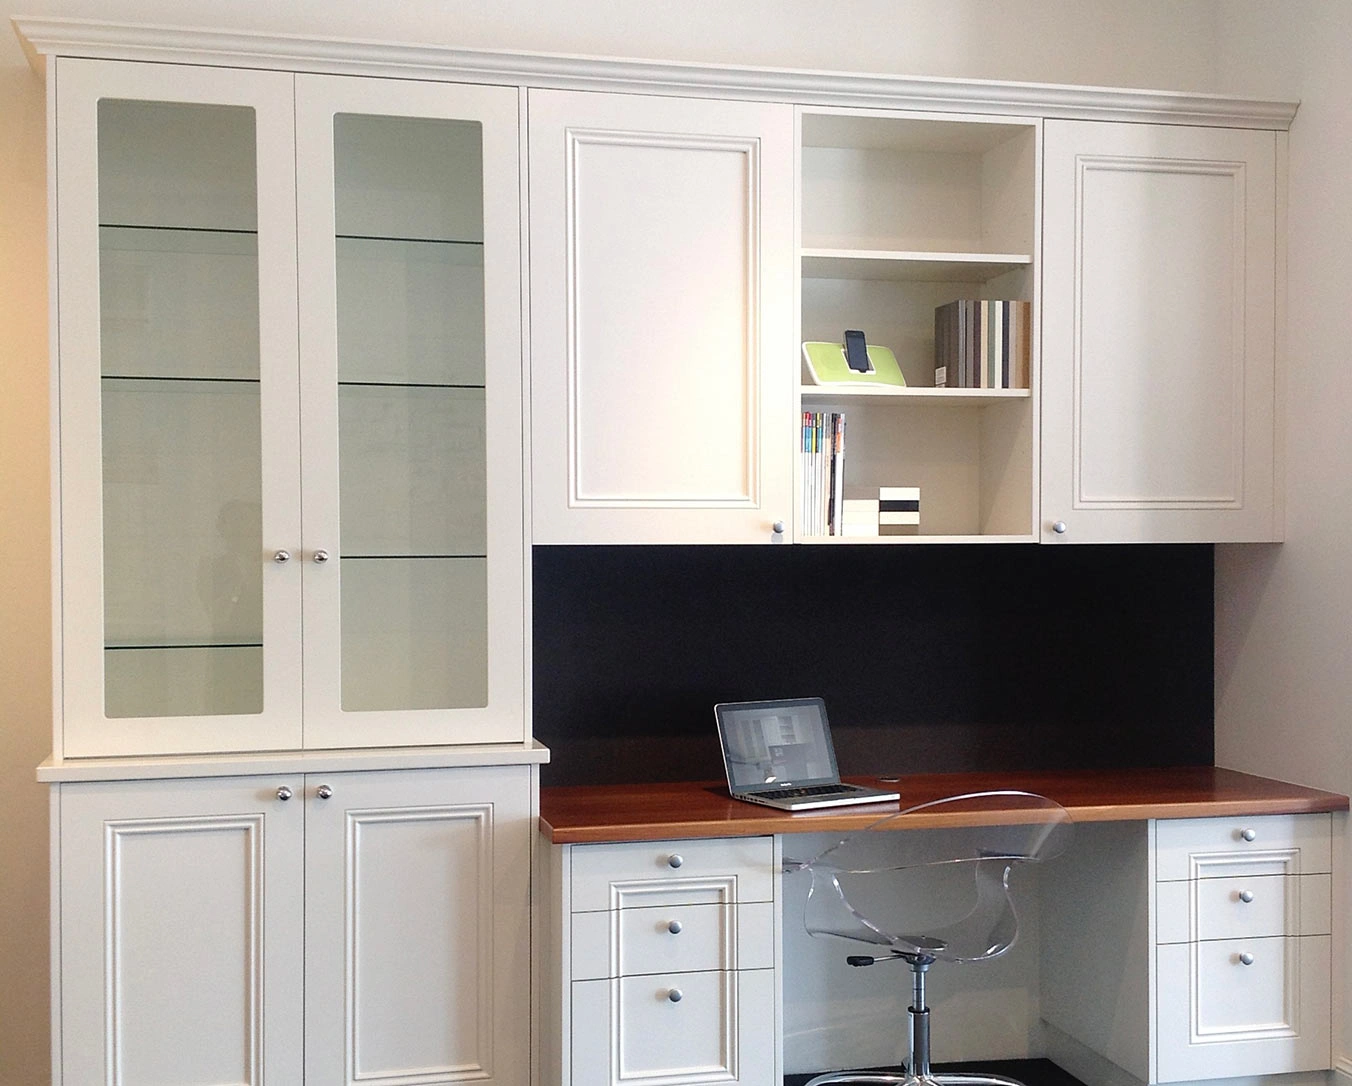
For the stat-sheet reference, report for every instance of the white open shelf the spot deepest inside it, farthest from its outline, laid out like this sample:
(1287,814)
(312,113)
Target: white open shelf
(909,267)
(967,396)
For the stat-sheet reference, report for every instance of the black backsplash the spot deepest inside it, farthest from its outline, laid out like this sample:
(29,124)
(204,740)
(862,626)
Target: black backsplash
(931,658)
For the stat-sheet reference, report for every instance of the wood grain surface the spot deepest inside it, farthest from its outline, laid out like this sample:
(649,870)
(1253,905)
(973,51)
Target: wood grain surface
(652,812)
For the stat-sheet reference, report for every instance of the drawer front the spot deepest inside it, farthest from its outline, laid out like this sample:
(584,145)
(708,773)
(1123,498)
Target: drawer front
(1218,1017)
(1188,848)
(629,942)
(664,873)
(1229,908)
(719,1030)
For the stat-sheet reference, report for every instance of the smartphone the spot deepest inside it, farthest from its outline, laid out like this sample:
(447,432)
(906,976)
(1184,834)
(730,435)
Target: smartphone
(856,351)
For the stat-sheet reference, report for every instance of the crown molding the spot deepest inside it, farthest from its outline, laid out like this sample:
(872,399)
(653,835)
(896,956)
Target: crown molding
(48,36)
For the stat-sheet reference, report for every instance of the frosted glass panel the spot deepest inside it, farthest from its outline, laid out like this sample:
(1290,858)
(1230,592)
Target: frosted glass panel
(182,467)
(177,164)
(413,470)
(409,177)
(178,303)
(183,681)
(411,435)
(414,633)
(410,311)
(182,536)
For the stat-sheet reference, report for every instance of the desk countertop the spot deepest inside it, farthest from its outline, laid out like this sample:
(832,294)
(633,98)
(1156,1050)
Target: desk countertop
(686,809)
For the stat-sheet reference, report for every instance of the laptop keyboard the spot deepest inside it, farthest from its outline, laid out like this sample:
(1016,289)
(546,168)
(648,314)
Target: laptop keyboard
(814,790)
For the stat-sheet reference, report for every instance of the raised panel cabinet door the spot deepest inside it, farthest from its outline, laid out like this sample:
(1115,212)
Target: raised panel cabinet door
(180,932)
(662,353)
(1159,367)
(179,459)
(417,927)
(411,420)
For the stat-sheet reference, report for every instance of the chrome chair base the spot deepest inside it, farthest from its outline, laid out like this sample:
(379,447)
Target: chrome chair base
(885,1078)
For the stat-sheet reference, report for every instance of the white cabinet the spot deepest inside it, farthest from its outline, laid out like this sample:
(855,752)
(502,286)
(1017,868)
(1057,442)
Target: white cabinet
(285,301)
(661,255)
(667,954)
(1243,946)
(369,926)
(1159,369)
(1189,949)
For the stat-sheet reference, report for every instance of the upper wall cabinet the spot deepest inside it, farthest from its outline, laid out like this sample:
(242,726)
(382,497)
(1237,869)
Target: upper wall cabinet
(661,255)
(1159,417)
(290,415)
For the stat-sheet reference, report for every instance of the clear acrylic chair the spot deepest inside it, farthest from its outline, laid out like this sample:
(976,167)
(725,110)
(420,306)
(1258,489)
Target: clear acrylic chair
(949,859)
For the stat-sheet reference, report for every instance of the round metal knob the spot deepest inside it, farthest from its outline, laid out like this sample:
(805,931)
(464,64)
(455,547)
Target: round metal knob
(777,527)
(324,791)
(1059,527)
(674,927)
(1246,896)
(1248,835)
(281,557)
(675,995)
(675,860)
(284,793)
(1246,959)
(321,557)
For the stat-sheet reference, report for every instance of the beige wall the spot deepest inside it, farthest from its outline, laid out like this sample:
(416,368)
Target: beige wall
(1284,614)
(1168,44)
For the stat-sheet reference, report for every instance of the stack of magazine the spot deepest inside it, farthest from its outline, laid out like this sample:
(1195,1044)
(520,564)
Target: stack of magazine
(823,452)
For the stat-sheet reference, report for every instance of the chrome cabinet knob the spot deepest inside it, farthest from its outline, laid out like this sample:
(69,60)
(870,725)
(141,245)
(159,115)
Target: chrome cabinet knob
(674,927)
(324,791)
(777,527)
(1059,527)
(675,995)
(284,793)
(282,557)
(321,557)
(1246,896)
(1248,834)
(675,860)
(1246,959)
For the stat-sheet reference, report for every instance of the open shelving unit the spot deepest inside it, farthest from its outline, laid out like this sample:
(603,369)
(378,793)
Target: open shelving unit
(899,214)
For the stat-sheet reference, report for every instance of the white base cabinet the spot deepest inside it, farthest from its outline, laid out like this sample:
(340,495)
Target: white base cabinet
(370,927)
(666,963)
(1215,964)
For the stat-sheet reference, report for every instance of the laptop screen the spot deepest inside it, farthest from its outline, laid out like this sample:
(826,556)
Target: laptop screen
(775,743)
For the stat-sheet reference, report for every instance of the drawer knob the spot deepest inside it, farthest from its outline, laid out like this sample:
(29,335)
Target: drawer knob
(284,793)
(1248,834)
(1246,959)
(675,995)
(674,927)
(675,860)
(1246,896)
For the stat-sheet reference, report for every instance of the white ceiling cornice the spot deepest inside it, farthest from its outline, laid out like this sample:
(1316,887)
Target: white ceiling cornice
(48,36)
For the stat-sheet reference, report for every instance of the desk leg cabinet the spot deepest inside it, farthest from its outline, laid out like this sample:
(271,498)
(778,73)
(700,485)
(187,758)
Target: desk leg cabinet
(1189,949)
(215,930)
(666,954)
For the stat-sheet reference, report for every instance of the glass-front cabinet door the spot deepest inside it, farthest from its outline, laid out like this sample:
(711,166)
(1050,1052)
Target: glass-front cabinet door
(411,423)
(179,494)
(290,416)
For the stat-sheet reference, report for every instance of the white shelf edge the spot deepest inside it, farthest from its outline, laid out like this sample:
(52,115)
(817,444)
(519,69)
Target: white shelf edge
(44,36)
(169,766)
(915,256)
(907,540)
(941,395)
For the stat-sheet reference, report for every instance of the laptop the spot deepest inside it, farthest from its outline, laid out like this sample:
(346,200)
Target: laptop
(779,753)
